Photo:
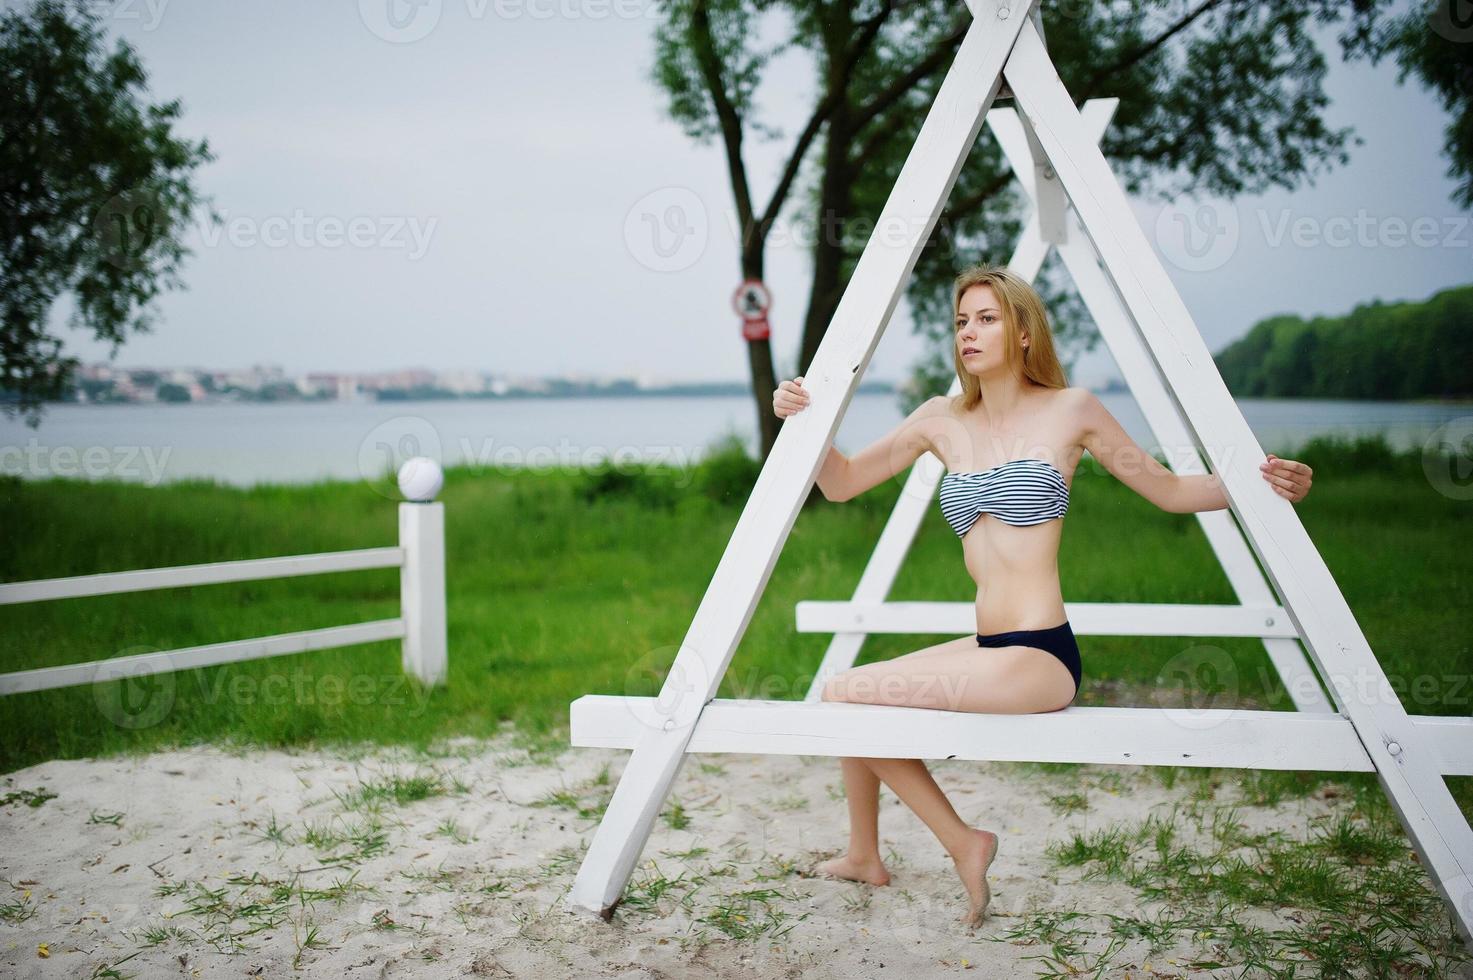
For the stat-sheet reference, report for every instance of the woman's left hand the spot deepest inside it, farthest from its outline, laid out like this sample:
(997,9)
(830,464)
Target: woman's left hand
(1289,478)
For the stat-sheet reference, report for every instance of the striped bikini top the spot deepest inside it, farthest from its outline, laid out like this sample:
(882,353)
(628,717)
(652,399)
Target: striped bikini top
(1020,492)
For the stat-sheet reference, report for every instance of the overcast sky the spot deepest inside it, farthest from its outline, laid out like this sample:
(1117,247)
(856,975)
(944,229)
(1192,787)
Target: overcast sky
(475,184)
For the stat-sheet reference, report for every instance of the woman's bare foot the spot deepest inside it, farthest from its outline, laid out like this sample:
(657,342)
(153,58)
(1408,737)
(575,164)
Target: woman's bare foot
(870,872)
(972,865)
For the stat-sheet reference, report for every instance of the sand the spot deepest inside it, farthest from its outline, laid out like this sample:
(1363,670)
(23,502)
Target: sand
(472,879)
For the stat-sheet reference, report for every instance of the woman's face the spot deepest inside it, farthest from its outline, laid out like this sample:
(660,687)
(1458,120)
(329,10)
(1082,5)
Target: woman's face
(979,331)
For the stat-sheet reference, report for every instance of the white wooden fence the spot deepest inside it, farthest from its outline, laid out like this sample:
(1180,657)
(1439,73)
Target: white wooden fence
(420,558)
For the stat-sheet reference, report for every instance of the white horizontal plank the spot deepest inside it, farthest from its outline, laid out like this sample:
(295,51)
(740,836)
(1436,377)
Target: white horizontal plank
(143,580)
(1451,737)
(187,658)
(1085,618)
(1229,737)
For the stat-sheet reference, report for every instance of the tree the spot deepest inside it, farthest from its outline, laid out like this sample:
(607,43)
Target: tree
(94,192)
(1216,96)
(1435,40)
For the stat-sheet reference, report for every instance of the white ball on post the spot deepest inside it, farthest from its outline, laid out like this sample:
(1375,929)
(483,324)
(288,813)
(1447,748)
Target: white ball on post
(420,478)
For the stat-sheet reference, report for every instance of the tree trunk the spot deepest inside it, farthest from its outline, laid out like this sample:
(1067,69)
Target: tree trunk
(835,207)
(764,383)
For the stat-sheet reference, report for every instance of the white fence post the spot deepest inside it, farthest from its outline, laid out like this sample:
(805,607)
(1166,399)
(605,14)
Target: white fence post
(422,589)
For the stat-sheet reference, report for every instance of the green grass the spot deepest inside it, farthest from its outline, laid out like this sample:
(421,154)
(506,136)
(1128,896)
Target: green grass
(1351,901)
(564,583)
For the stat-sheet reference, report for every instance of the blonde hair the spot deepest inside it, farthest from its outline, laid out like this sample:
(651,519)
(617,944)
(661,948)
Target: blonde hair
(1022,309)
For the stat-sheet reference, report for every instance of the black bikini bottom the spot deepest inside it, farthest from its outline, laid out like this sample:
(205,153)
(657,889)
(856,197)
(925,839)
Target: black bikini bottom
(1058,640)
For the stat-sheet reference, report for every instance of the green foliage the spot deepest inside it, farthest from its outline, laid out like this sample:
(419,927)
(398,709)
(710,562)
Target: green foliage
(726,474)
(1432,41)
(1333,456)
(645,485)
(95,190)
(1226,101)
(1390,351)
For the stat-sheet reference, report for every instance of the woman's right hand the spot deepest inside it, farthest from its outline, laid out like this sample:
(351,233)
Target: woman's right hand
(789,399)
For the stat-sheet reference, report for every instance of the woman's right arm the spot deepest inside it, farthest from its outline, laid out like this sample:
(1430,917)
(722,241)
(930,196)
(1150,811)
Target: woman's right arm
(843,478)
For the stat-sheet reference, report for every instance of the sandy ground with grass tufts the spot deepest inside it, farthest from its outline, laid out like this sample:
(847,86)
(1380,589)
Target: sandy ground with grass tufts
(208,862)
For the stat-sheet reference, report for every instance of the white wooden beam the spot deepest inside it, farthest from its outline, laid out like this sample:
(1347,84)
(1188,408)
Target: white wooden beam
(1085,618)
(425,651)
(874,290)
(1043,188)
(1405,762)
(210,655)
(1225,737)
(213,573)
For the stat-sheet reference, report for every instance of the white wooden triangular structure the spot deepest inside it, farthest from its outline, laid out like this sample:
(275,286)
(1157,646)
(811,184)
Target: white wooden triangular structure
(1052,147)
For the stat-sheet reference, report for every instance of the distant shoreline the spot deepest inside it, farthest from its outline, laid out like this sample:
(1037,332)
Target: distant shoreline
(704,391)
(399,395)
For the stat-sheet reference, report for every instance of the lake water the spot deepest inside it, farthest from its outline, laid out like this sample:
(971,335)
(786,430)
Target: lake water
(242,443)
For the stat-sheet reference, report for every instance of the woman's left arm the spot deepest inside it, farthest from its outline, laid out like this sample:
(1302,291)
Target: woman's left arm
(1108,442)
(1289,478)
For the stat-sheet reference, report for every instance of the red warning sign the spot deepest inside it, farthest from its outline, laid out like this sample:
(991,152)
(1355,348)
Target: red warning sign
(751,302)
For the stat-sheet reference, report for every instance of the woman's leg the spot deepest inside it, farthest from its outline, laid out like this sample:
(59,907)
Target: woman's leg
(862,787)
(863,862)
(971,850)
(962,678)
(990,680)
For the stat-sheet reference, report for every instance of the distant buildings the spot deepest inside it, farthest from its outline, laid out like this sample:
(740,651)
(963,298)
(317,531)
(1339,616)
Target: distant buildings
(104,383)
(101,383)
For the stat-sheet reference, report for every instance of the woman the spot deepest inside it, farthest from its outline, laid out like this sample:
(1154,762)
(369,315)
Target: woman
(1010,441)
